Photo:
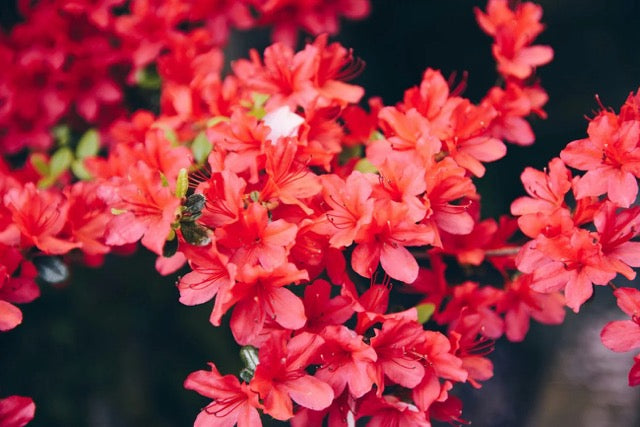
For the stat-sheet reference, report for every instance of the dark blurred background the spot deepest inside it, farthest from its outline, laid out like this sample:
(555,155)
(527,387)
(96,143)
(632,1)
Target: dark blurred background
(113,345)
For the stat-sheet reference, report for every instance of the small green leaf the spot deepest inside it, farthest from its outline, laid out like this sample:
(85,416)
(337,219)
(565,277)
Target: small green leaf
(78,169)
(115,211)
(182,183)
(250,360)
(170,247)
(62,134)
(425,311)
(171,136)
(195,234)
(51,269)
(60,161)
(40,163)
(257,109)
(148,78)
(89,144)
(376,135)
(215,120)
(201,147)
(349,153)
(365,166)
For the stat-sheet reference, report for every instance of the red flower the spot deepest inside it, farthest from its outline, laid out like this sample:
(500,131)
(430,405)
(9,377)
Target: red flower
(40,216)
(346,360)
(281,377)
(233,402)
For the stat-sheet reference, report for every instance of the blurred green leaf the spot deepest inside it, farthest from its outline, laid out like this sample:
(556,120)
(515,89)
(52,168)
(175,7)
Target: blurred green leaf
(425,311)
(201,147)
(89,144)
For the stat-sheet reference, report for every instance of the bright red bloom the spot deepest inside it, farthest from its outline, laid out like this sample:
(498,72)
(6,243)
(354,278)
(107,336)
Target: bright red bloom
(572,262)
(519,303)
(610,156)
(395,346)
(545,211)
(261,295)
(351,207)
(16,411)
(322,310)
(346,360)
(280,377)
(616,229)
(514,31)
(149,209)
(40,215)
(384,242)
(254,239)
(233,402)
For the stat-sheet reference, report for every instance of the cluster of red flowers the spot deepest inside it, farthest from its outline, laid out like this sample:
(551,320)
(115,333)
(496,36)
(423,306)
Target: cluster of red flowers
(589,243)
(307,218)
(74,57)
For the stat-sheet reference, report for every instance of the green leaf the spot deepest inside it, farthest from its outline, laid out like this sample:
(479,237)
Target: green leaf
(51,269)
(62,134)
(182,183)
(115,211)
(376,135)
(148,78)
(349,153)
(170,247)
(39,162)
(425,311)
(365,166)
(60,162)
(89,144)
(257,109)
(201,147)
(215,120)
(195,234)
(78,169)
(250,360)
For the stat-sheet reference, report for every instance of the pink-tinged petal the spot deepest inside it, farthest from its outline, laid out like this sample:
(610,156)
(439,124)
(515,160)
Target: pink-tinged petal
(427,391)
(407,373)
(334,89)
(622,188)
(579,289)
(124,229)
(621,335)
(170,265)
(516,323)
(155,236)
(247,321)
(365,258)
(197,288)
(628,252)
(485,149)
(398,263)
(16,411)
(310,392)
(582,154)
(535,55)
(361,379)
(249,417)
(517,130)
(628,300)
(10,316)
(592,183)
(551,277)
(278,404)
(288,309)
